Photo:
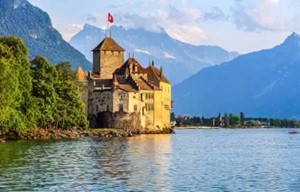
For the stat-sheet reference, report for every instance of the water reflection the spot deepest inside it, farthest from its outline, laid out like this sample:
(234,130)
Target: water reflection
(191,160)
(85,165)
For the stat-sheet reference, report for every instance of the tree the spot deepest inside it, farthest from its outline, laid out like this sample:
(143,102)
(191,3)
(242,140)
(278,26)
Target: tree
(15,87)
(242,118)
(235,120)
(57,96)
(36,94)
(179,120)
(173,118)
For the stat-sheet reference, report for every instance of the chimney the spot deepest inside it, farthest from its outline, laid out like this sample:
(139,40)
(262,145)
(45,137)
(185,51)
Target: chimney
(161,71)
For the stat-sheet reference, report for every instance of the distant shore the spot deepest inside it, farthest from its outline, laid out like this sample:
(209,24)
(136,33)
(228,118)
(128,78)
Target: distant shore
(208,127)
(197,127)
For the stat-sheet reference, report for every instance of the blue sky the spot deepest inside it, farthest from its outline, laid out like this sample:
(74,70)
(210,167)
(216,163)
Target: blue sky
(236,25)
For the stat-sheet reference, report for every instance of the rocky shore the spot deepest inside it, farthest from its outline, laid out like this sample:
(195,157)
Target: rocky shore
(57,134)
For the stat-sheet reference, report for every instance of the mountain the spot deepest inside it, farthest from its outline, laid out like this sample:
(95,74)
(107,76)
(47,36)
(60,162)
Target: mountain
(261,84)
(20,18)
(179,60)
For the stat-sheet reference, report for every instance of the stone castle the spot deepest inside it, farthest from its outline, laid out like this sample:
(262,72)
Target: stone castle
(116,86)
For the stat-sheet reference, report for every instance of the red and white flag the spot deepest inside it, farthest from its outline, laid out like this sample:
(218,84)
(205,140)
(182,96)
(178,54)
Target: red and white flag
(110,18)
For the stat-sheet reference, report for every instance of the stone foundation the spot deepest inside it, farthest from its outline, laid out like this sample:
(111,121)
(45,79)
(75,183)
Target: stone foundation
(124,121)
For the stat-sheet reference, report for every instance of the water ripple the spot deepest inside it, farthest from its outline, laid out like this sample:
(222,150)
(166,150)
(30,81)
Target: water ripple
(191,160)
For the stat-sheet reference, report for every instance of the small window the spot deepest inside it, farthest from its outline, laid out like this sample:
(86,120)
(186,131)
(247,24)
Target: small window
(121,108)
(135,108)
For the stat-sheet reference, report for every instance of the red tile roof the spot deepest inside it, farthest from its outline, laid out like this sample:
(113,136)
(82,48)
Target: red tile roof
(154,74)
(130,63)
(127,88)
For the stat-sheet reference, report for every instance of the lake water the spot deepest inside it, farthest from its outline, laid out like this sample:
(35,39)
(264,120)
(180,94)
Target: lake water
(191,160)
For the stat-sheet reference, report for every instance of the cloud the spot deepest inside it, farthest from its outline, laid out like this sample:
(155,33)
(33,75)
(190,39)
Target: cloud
(185,33)
(215,14)
(180,23)
(184,15)
(260,15)
(70,30)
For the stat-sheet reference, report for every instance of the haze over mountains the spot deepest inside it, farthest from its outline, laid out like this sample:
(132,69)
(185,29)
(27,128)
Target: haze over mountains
(261,84)
(20,18)
(179,60)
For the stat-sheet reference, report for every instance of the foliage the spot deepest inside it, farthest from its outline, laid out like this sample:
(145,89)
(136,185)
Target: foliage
(36,94)
(231,121)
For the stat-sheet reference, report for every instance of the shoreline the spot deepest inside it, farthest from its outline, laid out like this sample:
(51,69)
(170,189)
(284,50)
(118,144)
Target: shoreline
(60,134)
(205,127)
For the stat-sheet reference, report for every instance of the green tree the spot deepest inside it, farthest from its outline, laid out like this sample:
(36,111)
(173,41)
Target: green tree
(15,87)
(235,120)
(71,110)
(57,96)
(45,77)
(242,118)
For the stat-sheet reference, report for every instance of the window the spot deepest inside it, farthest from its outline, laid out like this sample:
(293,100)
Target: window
(135,108)
(107,107)
(121,108)
(97,108)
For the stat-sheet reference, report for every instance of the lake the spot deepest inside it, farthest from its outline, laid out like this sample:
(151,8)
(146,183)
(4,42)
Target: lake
(191,160)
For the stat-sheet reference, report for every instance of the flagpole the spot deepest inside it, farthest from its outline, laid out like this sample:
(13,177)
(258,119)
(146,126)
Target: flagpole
(107,28)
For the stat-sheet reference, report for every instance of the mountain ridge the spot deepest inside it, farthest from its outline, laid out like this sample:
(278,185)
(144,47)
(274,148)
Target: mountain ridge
(260,83)
(21,19)
(173,55)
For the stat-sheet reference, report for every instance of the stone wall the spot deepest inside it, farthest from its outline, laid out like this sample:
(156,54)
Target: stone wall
(96,62)
(83,92)
(129,122)
(100,101)
(109,62)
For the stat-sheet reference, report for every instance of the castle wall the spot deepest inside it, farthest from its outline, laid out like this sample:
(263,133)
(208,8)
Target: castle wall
(163,105)
(100,101)
(120,101)
(96,62)
(110,61)
(83,92)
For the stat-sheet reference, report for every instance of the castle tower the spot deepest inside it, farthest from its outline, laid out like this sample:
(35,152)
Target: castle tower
(83,84)
(107,57)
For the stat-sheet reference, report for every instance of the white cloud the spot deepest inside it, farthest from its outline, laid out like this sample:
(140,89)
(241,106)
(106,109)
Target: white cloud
(180,23)
(185,33)
(261,15)
(70,30)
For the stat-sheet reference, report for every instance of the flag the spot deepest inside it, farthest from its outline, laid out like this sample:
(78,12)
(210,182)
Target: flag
(110,18)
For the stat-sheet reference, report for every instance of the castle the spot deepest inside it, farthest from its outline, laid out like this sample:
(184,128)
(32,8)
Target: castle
(118,86)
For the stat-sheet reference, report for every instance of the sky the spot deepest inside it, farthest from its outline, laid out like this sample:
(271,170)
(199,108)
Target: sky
(235,25)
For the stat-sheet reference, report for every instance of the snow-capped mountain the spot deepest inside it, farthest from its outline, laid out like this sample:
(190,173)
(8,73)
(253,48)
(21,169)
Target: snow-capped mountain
(179,60)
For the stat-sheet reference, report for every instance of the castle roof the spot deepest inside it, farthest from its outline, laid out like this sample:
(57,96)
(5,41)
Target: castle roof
(130,64)
(80,74)
(127,87)
(156,75)
(143,84)
(108,44)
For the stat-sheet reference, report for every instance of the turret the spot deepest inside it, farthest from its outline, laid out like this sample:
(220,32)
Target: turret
(115,81)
